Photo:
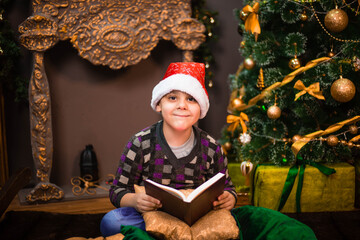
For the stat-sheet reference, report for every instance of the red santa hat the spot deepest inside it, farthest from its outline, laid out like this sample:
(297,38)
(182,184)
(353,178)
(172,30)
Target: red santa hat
(188,77)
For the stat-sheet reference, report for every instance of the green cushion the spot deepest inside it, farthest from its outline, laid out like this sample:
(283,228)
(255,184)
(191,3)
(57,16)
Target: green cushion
(134,233)
(262,223)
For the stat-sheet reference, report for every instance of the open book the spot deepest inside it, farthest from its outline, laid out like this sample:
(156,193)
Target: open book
(190,208)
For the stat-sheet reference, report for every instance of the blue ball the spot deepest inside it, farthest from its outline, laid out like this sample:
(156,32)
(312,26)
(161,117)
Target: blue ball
(112,221)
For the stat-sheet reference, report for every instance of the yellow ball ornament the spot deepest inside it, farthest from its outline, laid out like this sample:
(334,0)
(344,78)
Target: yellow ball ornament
(249,63)
(274,112)
(353,129)
(336,20)
(243,15)
(242,44)
(331,54)
(227,146)
(237,103)
(332,140)
(304,17)
(294,63)
(296,138)
(343,90)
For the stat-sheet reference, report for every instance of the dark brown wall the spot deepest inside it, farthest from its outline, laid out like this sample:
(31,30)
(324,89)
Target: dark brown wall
(103,107)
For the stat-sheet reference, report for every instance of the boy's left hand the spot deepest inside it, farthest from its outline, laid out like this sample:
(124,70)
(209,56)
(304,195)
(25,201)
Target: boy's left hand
(225,200)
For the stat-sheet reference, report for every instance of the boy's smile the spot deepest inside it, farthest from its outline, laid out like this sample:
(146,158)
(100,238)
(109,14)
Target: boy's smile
(180,111)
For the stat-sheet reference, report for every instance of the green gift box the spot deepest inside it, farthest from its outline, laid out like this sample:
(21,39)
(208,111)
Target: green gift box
(319,193)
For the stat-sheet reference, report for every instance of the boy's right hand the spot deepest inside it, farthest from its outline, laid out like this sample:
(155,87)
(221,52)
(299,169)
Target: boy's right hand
(146,203)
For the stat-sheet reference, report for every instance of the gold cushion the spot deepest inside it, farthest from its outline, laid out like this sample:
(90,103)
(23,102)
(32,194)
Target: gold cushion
(217,224)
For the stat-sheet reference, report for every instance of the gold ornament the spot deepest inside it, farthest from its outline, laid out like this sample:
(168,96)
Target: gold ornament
(353,129)
(343,90)
(296,138)
(294,63)
(243,15)
(356,63)
(242,44)
(332,140)
(260,81)
(237,102)
(227,146)
(336,20)
(304,17)
(249,63)
(274,112)
(331,54)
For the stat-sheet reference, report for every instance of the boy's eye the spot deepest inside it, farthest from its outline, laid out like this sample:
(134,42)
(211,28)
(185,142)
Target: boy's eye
(172,98)
(191,99)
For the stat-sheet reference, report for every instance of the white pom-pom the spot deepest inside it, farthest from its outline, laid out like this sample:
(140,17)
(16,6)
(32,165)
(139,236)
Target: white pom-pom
(245,138)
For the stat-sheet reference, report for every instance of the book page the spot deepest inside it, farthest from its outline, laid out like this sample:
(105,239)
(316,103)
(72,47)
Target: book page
(171,190)
(203,187)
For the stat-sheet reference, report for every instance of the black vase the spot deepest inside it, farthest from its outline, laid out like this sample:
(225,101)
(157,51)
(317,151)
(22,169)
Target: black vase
(88,163)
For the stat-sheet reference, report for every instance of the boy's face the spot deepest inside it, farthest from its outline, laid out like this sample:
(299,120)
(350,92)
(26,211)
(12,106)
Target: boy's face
(179,110)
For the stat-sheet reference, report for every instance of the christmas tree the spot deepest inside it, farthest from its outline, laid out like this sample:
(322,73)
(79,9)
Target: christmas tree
(295,98)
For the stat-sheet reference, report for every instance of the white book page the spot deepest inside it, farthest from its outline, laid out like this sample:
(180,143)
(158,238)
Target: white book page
(203,187)
(171,190)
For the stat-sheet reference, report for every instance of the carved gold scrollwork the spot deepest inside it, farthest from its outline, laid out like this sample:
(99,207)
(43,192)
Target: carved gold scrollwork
(38,33)
(45,192)
(118,33)
(114,33)
(188,34)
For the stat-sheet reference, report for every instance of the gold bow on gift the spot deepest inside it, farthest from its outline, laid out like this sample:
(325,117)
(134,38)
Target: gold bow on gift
(313,90)
(252,20)
(235,120)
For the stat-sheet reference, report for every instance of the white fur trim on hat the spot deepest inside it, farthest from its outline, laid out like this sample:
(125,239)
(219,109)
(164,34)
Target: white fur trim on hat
(184,83)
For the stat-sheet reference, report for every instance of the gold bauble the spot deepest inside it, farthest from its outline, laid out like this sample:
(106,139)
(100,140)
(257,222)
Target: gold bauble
(343,90)
(243,15)
(296,138)
(227,146)
(242,44)
(237,103)
(332,140)
(274,112)
(353,129)
(336,20)
(331,54)
(249,63)
(304,17)
(294,63)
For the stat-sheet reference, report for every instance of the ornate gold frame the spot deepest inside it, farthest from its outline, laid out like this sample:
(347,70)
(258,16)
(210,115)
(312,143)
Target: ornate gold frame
(112,33)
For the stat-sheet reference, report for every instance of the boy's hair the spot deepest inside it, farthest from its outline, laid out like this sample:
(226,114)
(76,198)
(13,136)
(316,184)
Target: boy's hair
(188,77)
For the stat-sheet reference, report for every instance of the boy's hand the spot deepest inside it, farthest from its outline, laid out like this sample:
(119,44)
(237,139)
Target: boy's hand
(225,200)
(145,203)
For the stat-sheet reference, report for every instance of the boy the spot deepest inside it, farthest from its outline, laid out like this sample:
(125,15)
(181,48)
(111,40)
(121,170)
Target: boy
(173,151)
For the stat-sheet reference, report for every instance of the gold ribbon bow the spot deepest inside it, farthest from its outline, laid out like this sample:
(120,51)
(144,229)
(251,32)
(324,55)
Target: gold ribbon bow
(287,79)
(236,120)
(313,90)
(333,128)
(252,21)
